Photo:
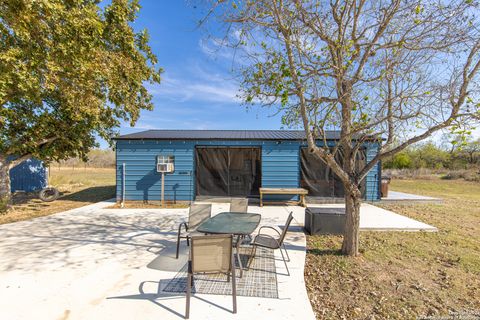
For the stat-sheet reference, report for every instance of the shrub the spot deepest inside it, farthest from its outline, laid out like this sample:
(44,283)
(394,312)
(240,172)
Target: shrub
(402,161)
(467,175)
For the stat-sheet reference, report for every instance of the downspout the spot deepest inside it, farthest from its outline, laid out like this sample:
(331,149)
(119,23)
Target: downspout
(122,204)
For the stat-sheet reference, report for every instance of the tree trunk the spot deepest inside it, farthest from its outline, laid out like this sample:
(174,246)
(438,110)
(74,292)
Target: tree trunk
(5,193)
(352,224)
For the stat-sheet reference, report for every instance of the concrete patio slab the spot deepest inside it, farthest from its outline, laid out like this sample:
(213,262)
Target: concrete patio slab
(373,218)
(97,263)
(396,196)
(93,263)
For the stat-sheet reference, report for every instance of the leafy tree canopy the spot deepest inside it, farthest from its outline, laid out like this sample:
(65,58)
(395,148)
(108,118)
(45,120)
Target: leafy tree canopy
(395,70)
(69,70)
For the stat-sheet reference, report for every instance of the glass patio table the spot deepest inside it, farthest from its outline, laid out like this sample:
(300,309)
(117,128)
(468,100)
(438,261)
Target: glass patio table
(236,223)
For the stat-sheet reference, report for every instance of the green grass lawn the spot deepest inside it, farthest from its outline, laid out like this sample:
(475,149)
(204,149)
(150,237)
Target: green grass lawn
(404,275)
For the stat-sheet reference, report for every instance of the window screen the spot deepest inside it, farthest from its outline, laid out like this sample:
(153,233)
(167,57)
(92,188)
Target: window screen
(319,179)
(227,171)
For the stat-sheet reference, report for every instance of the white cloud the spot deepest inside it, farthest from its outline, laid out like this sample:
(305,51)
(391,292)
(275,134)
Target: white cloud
(216,48)
(169,123)
(200,86)
(212,92)
(139,125)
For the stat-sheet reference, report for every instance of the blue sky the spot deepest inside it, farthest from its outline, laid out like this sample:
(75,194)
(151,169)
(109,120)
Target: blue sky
(197,89)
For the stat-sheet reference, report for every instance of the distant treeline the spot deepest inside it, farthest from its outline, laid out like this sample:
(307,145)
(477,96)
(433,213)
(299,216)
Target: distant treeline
(97,158)
(453,156)
(423,156)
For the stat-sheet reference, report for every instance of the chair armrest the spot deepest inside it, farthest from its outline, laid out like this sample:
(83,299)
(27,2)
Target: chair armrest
(180,227)
(268,227)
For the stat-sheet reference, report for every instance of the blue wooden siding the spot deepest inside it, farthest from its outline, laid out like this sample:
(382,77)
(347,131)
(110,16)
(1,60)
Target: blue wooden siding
(280,167)
(280,164)
(28,176)
(142,182)
(372,180)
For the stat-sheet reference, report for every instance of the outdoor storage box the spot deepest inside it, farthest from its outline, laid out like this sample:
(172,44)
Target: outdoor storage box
(324,220)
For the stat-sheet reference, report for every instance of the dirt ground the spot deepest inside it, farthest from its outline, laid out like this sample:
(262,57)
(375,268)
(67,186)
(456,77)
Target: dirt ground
(405,275)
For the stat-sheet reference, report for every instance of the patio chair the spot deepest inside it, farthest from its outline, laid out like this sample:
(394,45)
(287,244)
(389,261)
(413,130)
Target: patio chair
(211,254)
(197,214)
(239,205)
(272,242)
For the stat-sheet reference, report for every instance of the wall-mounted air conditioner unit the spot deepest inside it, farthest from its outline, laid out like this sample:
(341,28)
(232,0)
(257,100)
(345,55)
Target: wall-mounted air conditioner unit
(165,167)
(165,164)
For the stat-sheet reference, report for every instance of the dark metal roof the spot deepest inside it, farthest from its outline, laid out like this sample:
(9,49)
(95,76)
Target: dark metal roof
(222,135)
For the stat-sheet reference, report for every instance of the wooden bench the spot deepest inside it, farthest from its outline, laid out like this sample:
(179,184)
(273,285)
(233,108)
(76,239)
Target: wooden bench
(293,191)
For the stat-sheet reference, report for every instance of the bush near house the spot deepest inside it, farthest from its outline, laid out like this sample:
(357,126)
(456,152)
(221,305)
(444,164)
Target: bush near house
(431,156)
(472,174)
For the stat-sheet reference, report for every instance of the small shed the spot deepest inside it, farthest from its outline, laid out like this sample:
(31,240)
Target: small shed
(28,176)
(229,163)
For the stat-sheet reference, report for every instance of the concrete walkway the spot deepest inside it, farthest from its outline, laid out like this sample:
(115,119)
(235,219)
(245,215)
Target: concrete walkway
(373,218)
(396,196)
(91,263)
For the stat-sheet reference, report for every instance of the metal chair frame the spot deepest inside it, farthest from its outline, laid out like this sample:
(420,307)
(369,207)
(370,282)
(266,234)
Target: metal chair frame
(244,203)
(187,236)
(230,274)
(239,203)
(279,242)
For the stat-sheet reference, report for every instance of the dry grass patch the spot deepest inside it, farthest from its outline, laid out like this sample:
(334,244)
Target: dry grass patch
(151,205)
(402,275)
(78,188)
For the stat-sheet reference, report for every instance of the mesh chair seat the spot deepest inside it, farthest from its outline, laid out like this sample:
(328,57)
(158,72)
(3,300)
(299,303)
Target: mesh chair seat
(240,205)
(197,214)
(266,241)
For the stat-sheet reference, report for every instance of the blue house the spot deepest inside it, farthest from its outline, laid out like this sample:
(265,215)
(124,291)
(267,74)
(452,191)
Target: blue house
(228,163)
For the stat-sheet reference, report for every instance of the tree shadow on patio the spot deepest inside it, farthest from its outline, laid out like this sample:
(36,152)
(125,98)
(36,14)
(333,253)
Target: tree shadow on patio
(68,240)
(92,194)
